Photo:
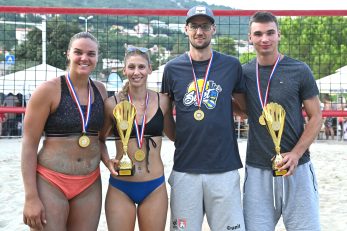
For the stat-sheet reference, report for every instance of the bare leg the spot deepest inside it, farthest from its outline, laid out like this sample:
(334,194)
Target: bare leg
(85,209)
(327,131)
(332,133)
(55,203)
(152,211)
(120,210)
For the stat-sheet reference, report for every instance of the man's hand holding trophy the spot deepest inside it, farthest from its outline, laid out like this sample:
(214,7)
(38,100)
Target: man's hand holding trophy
(273,117)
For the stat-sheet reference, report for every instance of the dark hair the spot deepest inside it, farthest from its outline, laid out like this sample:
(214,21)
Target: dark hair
(143,52)
(82,35)
(263,17)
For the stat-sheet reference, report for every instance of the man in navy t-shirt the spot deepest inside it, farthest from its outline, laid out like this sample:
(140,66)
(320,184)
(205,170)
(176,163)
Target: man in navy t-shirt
(205,177)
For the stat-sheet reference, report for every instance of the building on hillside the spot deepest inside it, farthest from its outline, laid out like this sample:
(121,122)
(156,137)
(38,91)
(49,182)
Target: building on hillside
(143,29)
(112,63)
(158,23)
(177,26)
(21,34)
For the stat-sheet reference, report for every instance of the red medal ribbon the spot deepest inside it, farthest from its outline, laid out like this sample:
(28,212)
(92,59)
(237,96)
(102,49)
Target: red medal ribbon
(139,136)
(264,102)
(199,95)
(84,120)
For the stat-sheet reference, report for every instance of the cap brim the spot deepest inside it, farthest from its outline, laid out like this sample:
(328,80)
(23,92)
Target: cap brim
(196,15)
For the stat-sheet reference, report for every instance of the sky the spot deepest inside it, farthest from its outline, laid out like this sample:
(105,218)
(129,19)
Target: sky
(282,4)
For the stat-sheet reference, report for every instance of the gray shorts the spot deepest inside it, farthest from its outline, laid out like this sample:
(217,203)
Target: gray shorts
(217,195)
(266,198)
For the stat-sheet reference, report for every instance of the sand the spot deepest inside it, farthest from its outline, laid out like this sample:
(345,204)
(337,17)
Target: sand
(329,159)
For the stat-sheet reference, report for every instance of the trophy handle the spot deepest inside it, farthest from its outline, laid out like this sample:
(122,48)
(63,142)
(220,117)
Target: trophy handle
(125,149)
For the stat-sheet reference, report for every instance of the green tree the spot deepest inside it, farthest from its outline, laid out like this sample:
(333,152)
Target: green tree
(226,45)
(7,33)
(319,41)
(246,57)
(59,33)
(180,46)
(29,52)
(58,36)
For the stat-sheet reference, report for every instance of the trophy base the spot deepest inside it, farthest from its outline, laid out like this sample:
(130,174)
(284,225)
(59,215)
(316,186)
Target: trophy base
(126,172)
(279,173)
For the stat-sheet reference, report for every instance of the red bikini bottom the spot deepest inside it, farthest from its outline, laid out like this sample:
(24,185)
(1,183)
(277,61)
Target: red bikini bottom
(70,185)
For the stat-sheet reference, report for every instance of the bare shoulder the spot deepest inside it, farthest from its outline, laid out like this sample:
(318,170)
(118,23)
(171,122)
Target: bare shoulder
(110,104)
(165,102)
(101,87)
(110,101)
(47,91)
(44,99)
(164,97)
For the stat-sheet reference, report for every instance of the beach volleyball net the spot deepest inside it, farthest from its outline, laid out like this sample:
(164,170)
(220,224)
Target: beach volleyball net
(34,40)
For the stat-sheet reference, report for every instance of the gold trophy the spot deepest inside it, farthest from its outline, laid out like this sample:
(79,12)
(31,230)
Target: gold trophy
(273,118)
(124,113)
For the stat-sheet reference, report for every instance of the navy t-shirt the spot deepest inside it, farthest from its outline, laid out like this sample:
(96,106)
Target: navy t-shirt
(209,145)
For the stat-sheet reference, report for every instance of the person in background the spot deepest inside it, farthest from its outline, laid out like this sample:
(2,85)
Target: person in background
(11,120)
(328,122)
(2,120)
(276,78)
(2,115)
(142,196)
(344,127)
(62,180)
(205,177)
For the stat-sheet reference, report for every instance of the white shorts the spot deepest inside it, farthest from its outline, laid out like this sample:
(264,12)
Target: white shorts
(217,195)
(266,198)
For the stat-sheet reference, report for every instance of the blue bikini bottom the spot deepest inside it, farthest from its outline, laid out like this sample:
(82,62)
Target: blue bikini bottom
(137,191)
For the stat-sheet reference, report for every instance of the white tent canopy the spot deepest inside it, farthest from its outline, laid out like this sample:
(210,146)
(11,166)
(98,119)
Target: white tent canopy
(114,82)
(334,83)
(155,78)
(27,80)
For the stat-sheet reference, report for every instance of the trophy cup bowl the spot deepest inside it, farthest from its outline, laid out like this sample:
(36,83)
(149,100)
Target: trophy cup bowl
(274,116)
(124,114)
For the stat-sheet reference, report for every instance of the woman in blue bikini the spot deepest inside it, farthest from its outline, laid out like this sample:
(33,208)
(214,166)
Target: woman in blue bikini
(143,194)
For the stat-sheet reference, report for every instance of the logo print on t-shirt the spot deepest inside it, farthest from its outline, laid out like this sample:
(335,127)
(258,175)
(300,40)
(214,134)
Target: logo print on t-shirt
(209,98)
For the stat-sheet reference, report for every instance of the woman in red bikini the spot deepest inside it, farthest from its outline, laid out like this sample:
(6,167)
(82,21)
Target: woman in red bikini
(62,180)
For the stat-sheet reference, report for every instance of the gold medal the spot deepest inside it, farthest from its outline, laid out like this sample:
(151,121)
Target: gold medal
(199,115)
(262,120)
(139,155)
(123,125)
(84,141)
(276,125)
